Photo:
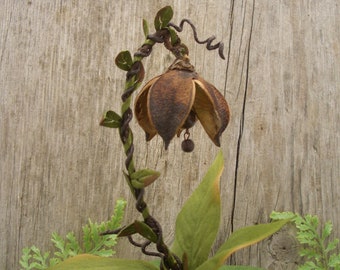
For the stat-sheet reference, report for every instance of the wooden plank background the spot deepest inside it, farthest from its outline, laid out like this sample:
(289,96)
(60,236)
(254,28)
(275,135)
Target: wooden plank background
(57,77)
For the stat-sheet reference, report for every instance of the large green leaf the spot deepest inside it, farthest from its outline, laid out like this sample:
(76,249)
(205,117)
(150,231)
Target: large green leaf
(239,239)
(237,267)
(86,261)
(197,223)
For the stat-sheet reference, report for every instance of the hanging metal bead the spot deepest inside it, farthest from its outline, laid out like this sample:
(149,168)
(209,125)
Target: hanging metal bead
(187,145)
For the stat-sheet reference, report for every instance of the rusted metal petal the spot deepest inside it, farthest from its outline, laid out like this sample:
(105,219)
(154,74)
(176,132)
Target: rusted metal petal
(212,110)
(141,111)
(170,100)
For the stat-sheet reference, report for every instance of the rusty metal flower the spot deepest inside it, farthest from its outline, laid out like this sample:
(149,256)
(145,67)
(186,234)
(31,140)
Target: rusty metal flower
(173,101)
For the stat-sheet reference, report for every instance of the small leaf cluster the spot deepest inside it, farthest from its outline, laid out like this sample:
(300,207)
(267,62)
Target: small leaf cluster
(92,243)
(318,250)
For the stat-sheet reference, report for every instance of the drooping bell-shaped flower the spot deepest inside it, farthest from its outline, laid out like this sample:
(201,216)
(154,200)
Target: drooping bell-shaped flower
(173,101)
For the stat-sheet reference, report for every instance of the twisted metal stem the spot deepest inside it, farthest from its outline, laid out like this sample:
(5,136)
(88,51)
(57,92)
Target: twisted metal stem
(134,76)
(169,260)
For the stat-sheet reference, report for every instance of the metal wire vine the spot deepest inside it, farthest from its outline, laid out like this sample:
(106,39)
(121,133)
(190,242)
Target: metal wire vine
(135,75)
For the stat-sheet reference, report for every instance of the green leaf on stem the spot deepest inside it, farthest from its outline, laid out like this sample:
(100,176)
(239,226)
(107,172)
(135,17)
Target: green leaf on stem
(145,231)
(242,238)
(163,17)
(86,261)
(141,228)
(143,178)
(124,60)
(145,28)
(127,230)
(111,120)
(197,223)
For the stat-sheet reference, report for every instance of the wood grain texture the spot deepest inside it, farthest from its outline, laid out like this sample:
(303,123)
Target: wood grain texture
(59,168)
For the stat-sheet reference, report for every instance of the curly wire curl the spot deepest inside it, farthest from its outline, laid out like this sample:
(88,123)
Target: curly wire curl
(208,41)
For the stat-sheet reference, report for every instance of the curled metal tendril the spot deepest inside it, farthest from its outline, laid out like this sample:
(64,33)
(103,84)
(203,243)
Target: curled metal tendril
(208,41)
(143,247)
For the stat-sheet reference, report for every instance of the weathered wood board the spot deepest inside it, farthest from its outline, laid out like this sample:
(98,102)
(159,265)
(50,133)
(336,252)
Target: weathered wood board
(58,168)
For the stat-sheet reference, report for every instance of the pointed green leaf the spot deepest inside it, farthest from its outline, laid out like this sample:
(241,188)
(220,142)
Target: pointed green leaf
(124,60)
(163,17)
(197,223)
(86,261)
(145,28)
(145,231)
(111,120)
(143,178)
(127,230)
(242,238)
(141,228)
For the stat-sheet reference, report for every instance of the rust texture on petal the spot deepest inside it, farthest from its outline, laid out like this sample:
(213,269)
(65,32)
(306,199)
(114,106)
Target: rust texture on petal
(170,100)
(212,109)
(142,113)
(223,110)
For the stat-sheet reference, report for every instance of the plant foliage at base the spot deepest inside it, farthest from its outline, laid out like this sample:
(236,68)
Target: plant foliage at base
(318,251)
(196,229)
(92,243)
